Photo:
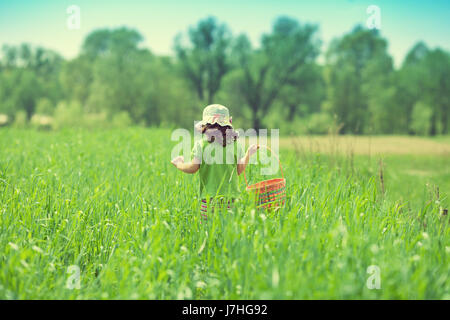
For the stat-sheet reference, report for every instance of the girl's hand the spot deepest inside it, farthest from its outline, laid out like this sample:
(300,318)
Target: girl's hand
(177,160)
(252,149)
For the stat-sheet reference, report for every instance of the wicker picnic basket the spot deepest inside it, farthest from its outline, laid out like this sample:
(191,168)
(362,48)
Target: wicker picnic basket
(269,194)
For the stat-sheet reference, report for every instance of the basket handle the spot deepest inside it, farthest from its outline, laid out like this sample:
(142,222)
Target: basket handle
(279,163)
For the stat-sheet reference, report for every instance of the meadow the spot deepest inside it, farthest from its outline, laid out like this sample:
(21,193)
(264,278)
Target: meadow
(110,203)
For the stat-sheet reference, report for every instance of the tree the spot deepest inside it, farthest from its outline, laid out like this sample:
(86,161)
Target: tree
(109,63)
(104,42)
(416,55)
(304,92)
(10,55)
(204,61)
(437,88)
(358,67)
(264,72)
(115,76)
(28,74)
(409,82)
(21,90)
(276,83)
(76,79)
(424,80)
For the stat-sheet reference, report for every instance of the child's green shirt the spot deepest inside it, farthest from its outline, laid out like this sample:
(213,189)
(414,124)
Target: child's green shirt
(218,168)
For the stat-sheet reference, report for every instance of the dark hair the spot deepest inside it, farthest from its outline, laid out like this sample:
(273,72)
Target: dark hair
(221,134)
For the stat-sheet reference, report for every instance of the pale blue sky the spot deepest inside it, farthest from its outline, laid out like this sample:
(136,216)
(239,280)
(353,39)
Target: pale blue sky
(43,22)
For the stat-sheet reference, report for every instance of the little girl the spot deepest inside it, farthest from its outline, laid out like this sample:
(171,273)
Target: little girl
(219,184)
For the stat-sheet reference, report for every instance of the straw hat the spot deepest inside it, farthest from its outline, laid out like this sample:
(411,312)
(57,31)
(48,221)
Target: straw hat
(215,113)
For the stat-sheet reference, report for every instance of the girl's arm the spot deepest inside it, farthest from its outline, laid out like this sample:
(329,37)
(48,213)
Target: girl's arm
(191,167)
(242,163)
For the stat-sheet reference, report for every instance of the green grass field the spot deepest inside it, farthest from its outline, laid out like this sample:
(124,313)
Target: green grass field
(111,203)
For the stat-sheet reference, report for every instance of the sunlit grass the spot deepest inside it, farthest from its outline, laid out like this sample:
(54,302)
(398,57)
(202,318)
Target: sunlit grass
(111,203)
(369,145)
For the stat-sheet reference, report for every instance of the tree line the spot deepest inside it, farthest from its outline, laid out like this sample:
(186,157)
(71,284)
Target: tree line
(277,84)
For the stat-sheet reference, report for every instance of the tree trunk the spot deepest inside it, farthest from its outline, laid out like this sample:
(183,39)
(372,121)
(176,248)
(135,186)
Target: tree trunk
(256,122)
(444,120)
(433,124)
(292,109)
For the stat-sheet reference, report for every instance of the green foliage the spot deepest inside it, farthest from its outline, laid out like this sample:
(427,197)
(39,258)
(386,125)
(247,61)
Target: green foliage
(204,60)
(105,42)
(437,87)
(68,114)
(358,71)
(121,120)
(40,121)
(421,117)
(277,83)
(44,107)
(319,123)
(315,123)
(76,79)
(279,63)
(28,75)
(20,120)
(424,78)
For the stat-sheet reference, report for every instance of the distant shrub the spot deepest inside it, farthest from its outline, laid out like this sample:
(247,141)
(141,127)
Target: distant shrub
(4,119)
(280,120)
(319,123)
(40,121)
(44,107)
(72,114)
(421,117)
(20,119)
(121,120)
(67,114)
(7,107)
(296,126)
(95,120)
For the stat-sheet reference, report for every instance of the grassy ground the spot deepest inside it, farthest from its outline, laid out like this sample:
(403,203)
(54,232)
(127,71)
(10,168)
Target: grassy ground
(111,204)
